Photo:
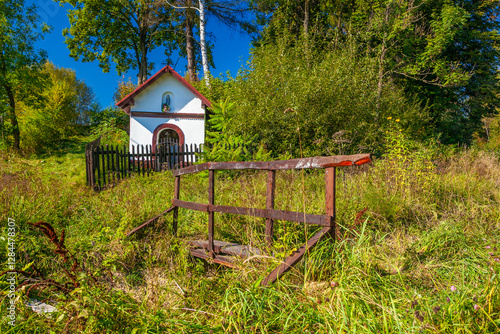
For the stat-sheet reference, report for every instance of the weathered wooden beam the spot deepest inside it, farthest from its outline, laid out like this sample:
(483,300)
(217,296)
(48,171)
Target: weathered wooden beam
(229,248)
(293,216)
(211,218)
(300,217)
(315,162)
(330,197)
(190,205)
(150,114)
(202,254)
(294,258)
(271,185)
(152,220)
(177,193)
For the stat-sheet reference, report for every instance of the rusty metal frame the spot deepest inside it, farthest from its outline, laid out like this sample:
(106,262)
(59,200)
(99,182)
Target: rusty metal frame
(212,249)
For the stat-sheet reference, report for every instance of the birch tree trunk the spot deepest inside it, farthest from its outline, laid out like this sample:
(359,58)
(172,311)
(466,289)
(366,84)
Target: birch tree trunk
(203,44)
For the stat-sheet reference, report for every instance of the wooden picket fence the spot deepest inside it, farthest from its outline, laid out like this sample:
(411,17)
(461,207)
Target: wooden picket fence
(108,164)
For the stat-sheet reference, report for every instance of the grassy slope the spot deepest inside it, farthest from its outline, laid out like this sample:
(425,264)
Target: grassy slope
(428,228)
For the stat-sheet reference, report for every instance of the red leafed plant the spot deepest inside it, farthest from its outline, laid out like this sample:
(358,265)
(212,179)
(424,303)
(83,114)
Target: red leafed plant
(37,280)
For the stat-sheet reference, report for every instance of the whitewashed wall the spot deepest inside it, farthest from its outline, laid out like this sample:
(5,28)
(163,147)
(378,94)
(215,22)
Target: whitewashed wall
(141,130)
(182,101)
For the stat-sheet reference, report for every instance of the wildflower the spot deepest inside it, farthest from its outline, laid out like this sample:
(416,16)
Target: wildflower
(476,307)
(448,299)
(397,120)
(497,259)
(453,289)
(491,254)
(400,130)
(389,117)
(488,247)
(334,284)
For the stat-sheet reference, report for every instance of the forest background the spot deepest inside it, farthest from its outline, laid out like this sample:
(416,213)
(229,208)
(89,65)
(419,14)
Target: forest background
(415,82)
(345,69)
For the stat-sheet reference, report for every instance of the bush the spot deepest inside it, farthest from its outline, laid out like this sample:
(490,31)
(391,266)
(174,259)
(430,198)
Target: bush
(322,101)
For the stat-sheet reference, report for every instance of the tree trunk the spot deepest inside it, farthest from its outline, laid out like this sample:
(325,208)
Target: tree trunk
(143,66)
(13,118)
(203,44)
(306,18)
(380,84)
(190,48)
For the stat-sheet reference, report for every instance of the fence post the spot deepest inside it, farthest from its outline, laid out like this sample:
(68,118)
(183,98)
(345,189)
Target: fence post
(211,193)
(92,167)
(271,181)
(330,181)
(177,192)
(133,160)
(98,164)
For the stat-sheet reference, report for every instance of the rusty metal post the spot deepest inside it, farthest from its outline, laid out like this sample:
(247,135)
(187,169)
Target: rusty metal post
(211,193)
(177,192)
(330,179)
(271,181)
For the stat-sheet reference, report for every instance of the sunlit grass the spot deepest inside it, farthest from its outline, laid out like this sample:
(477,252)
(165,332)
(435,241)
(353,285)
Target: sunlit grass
(393,272)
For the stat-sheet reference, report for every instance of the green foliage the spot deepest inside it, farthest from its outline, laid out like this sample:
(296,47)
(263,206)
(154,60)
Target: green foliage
(120,33)
(111,124)
(322,101)
(123,89)
(19,59)
(409,167)
(392,271)
(64,108)
(223,144)
(445,55)
(489,137)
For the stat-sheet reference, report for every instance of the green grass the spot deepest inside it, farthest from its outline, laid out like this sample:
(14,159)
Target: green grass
(429,227)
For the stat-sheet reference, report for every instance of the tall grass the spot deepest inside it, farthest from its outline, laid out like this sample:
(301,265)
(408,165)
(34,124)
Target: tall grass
(423,257)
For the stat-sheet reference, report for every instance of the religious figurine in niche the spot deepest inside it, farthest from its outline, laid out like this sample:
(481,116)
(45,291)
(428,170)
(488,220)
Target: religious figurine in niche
(166,106)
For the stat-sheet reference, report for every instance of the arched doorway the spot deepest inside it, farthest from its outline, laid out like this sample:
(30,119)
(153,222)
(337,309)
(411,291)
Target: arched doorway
(168,137)
(165,133)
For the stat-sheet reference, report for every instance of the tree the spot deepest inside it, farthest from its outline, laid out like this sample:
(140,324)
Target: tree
(19,59)
(229,12)
(120,31)
(445,53)
(65,106)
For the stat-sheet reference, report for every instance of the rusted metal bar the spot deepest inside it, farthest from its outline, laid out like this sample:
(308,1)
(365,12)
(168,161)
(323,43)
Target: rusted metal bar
(152,220)
(323,220)
(177,193)
(330,197)
(211,195)
(315,162)
(294,258)
(271,182)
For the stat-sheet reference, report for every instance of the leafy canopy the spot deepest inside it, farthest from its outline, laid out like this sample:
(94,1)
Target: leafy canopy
(119,33)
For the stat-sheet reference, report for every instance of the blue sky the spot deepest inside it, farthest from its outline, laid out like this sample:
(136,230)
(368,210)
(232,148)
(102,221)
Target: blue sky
(231,51)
